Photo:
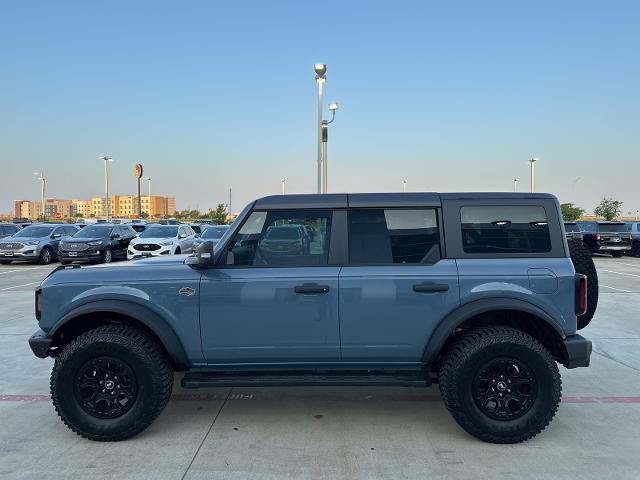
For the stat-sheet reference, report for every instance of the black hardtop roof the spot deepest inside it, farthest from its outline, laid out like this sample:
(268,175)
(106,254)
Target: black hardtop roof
(408,199)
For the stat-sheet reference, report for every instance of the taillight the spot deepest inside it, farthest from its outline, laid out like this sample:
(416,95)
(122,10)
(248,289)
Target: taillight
(38,303)
(581,294)
(597,236)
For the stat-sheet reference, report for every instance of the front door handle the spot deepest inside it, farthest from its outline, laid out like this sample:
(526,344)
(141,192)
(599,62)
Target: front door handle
(430,287)
(311,288)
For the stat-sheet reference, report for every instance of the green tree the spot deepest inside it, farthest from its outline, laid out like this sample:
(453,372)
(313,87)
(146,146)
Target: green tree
(219,215)
(570,213)
(608,208)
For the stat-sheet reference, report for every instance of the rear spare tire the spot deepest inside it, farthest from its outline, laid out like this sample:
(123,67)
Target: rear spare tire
(583,263)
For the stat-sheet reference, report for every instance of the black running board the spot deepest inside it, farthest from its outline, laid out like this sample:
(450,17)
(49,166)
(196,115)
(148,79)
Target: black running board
(217,379)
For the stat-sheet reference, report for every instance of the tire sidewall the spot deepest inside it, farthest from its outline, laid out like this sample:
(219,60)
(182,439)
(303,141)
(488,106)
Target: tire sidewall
(46,256)
(539,411)
(108,255)
(69,405)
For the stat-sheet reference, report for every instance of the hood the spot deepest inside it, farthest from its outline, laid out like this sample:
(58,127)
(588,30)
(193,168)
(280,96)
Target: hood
(153,240)
(83,239)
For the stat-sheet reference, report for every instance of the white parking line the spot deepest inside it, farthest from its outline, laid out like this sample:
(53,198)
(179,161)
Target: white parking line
(619,273)
(615,288)
(18,286)
(25,269)
(629,264)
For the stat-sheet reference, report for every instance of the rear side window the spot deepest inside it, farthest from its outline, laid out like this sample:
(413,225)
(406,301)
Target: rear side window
(505,229)
(378,236)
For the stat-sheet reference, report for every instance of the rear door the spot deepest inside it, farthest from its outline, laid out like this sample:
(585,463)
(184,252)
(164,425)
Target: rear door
(396,287)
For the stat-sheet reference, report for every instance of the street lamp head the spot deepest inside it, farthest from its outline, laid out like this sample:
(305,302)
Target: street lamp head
(147,178)
(516,179)
(105,158)
(320,69)
(534,159)
(333,106)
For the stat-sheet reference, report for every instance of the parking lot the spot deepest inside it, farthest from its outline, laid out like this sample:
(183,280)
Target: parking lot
(322,432)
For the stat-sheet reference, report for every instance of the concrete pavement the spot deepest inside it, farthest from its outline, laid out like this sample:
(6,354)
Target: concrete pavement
(321,432)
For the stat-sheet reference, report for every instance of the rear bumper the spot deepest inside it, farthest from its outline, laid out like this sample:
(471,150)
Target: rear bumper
(577,351)
(40,344)
(614,248)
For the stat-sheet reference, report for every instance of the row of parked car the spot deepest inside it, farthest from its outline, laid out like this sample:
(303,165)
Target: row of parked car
(615,238)
(44,243)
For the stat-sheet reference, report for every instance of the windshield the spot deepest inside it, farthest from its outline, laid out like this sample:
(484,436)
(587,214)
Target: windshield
(34,231)
(612,227)
(214,232)
(159,232)
(94,231)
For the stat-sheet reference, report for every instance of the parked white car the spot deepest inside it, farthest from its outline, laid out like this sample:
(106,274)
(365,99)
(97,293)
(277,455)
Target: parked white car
(159,240)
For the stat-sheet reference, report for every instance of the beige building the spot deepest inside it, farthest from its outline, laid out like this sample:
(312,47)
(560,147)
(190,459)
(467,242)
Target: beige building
(124,206)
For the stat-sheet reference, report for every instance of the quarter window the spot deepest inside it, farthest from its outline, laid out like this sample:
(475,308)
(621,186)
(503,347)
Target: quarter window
(378,236)
(505,229)
(283,238)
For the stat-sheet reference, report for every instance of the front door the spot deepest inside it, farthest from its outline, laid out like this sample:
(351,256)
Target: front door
(396,287)
(277,298)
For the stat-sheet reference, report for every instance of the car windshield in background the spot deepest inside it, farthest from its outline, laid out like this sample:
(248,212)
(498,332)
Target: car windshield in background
(159,232)
(94,231)
(34,232)
(612,227)
(283,233)
(571,227)
(214,232)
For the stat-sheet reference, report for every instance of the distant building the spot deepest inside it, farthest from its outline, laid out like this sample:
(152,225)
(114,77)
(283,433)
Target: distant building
(125,206)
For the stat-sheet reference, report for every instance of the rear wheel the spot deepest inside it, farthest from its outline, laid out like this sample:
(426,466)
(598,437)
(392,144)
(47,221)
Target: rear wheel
(635,249)
(616,254)
(5,262)
(110,383)
(500,384)
(583,263)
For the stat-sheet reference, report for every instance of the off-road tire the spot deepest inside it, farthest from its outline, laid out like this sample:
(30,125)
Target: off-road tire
(151,367)
(583,263)
(462,361)
(46,256)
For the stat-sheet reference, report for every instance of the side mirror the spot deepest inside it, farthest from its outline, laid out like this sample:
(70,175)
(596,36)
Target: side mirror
(205,254)
(181,236)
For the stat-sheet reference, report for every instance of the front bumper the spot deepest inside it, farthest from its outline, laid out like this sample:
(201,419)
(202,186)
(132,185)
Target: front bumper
(92,255)
(40,344)
(136,254)
(28,253)
(577,351)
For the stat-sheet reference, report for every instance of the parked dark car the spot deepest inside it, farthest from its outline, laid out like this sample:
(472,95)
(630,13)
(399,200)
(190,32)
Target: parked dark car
(8,229)
(606,237)
(97,243)
(634,229)
(572,230)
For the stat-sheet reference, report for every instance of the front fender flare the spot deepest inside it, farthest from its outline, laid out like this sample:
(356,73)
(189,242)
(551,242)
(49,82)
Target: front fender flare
(144,315)
(455,318)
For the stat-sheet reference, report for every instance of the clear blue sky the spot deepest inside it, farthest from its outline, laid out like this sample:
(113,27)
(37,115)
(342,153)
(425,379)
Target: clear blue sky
(211,95)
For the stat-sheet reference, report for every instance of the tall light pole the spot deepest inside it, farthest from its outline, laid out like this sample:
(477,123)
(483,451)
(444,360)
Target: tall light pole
(148,179)
(106,183)
(404,185)
(282,183)
(515,184)
(532,161)
(325,139)
(42,186)
(321,70)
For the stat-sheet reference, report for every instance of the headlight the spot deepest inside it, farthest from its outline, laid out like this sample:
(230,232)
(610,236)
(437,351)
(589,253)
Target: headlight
(167,243)
(33,242)
(99,242)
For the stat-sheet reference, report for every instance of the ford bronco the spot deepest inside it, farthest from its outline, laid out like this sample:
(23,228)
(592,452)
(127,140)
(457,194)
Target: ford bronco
(474,291)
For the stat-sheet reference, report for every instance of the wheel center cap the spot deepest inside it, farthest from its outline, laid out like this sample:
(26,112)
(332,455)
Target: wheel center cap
(109,385)
(501,386)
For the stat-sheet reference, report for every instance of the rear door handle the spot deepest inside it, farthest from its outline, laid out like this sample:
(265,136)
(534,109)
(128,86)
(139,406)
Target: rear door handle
(430,287)
(311,288)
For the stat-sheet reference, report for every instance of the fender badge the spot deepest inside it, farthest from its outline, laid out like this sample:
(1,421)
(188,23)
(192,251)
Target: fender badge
(188,291)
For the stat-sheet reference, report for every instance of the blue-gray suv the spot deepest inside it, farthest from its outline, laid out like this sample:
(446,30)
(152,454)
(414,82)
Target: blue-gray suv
(474,291)
(37,243)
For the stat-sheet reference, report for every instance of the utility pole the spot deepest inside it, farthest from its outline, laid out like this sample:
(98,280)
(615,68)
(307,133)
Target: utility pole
(321,70)
(532,162)
(106,183)
(404,185)
(515,184)
(148,179)
(229,200)
(282,182)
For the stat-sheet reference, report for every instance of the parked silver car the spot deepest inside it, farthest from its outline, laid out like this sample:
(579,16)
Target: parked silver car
(159,240)
(36,243)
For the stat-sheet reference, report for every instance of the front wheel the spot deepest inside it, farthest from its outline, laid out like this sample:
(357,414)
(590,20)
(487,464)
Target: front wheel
(500,384)
(110,383)
(107,255)
(46,256)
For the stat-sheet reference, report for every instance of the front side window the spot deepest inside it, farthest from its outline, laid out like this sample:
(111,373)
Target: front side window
(283,238)
(378,236)
(505,229)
